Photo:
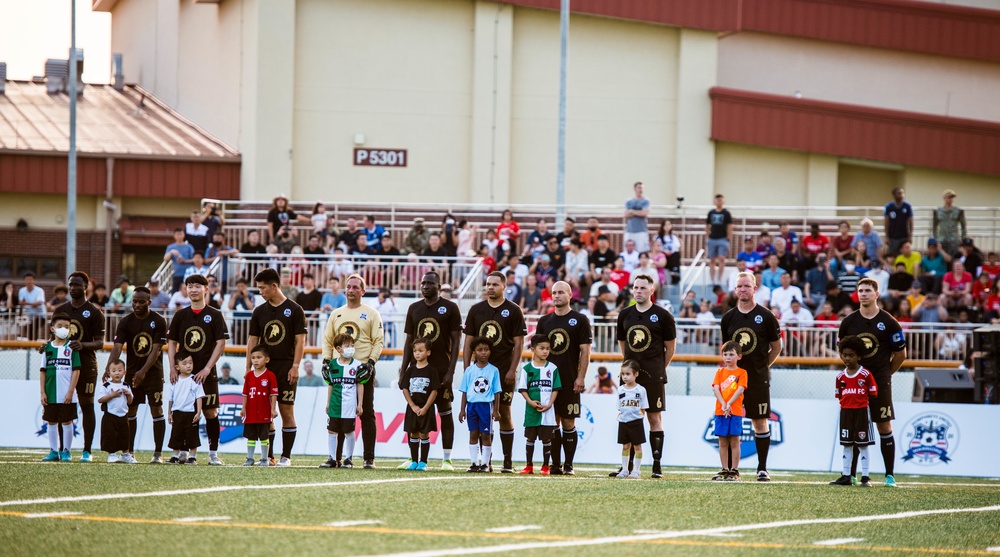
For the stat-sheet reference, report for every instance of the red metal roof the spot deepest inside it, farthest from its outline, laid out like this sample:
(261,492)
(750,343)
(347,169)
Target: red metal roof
(855,131)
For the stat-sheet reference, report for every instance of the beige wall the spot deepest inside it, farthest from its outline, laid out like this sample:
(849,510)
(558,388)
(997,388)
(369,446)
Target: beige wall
(925,185)
(757,176)
(49,211)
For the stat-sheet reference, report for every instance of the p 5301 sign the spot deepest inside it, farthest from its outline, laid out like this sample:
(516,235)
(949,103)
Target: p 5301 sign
(379,157)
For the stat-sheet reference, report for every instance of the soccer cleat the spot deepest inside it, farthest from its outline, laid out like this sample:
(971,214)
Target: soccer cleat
(421,467)
(411,466)
(721,475)
(249,461)
(214,460)
(733,476)
(53,456)
(842,480)
(623,473)
(568,470)
(473,469)
(763,476)
(127,458)
(556,470)
(265,462)
(157,459)
(405,465)
(85,457)
(890,481)
(508,467)
(369,464)
(330,463)
(657,472)
(866,481)
(854,480)
(447,466)
(546,470)
(527,470)
(271,461)
(634,475)
(191,460)
(347,463)
(284,462)
(65,456)
(174,460)
(488,468)
(113,458)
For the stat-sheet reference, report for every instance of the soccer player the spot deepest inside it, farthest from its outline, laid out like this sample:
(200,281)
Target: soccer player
(184,407)
(482,391)
(632,402)
(344,401)
(201,332)
(855,385)
(364,324)
(884,353)
(501,322)
(729,383)
(647,334)
(420,387)
(570,337)
(260,405)
(439,321)
(86,335)
(758,334)
(58,377)
(115,397)
(539,384)
(280,325)
(144,333)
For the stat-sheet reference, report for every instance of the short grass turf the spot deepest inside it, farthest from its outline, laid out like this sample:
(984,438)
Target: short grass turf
(453,512)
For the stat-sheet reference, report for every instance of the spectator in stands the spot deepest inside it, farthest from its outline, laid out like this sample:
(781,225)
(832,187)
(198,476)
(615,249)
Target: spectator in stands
(120,300)
(253,245)
(362,248)
(791,238)
(158,299)
(211,218)
(629,256)
(569,230)
(274,261)
(531,296)
(319,219)
(9,308)
(489,264)
(812,246)
(603,384)
(872,241)
(512,289)
(991,309)
(956,287)
(543,268)
(880,275)
(771,275)
(816,281)
(334,298)
(601,258)
(589,236)
(285,240)
(605,280)
(619,275)
(909,257)
(861,260)
(929,310)
(417,238)
(671,246)
(179,299)
(782,296)
(391,255)
(100,296)
(787,259)
(508,232)
(286,287)
(636,218)
(948,224)
(577,265)
(373,232)
(718,229)
(898,222)
(794,320)
(213,296)
(196,233)
(741,266)
(225,375)
(340,264)
(706,321)
(349,236)
(762,296)
(540,233)
(915,295)
(903,311)
(982,287)
(466,235)
(992,265)
(520,270)
(796,314)
(949,344)
(660,261)
(180,253)
(314,246)
(900,283)
(491,244)
(689,307)
(646,267)
(435,252)
(449,234)
(603,306)
(837,298)
(764,246)
(197,266)
(61,292)
(280,216)
(934,266)
(555,252)
(848,280)
(841,245)
(220,250)
(750,256)
(972,258)
(309,377)
(532,249)
(309,298)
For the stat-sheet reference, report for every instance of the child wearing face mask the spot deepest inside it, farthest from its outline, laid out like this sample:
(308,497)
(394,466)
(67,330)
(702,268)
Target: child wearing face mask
(59,374)
(344,395)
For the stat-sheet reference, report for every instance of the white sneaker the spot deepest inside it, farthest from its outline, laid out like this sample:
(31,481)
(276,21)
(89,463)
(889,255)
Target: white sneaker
(634,475)
(623,473)
(113,458)
(127,458)
(264,462)
(214,460)
(285,461)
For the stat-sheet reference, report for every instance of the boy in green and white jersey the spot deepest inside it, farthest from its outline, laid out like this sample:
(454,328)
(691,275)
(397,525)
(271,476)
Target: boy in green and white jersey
(539,384)
(344,404)
(59,374)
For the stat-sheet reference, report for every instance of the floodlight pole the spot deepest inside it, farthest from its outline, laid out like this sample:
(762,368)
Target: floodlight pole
(561,165)
(71,163)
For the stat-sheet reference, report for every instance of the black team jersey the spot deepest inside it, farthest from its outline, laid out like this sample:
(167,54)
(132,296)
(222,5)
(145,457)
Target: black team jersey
(86,324)
(138,336)
(644,333)
(567,333)
(754,332)
(436,323)
(276,328)
(500,325)
(197,332)
(882,336)
(421,382)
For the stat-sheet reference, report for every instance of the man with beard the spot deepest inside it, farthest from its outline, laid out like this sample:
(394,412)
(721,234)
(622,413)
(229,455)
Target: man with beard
(86,336)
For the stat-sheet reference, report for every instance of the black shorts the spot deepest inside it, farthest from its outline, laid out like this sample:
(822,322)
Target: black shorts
(507,396)
(86,385)
(541,432)
(757,399)
(881,405)
(444,400)
(631,433)
(184,432)
(59,413)
(150,391)
(855,428)
(114,433)
(211,386)
(412,423)
(655,394)
(286,390)
(568,402)
(341,425)
(255,432)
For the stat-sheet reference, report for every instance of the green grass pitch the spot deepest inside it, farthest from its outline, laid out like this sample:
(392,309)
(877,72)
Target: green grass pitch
(116,509)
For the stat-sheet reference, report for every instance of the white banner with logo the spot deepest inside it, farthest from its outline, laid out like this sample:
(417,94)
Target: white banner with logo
(932,439)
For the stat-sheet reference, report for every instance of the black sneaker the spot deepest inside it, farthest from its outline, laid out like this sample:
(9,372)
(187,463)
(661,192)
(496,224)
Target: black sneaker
(615,473)
(347,463)
(508,467)
(721,475)
(330,463)
(474,469)
(191,460)
(657,472)
(369,464)
(763,476)
(486,469)
(556,470)
(865,481)
(843,480)
(567,470)
(174,460)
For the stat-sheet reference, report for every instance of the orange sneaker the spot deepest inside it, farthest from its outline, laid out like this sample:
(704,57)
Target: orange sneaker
(528,470)
(545,470)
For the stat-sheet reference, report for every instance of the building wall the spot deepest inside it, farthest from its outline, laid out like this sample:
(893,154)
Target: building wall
(47,211)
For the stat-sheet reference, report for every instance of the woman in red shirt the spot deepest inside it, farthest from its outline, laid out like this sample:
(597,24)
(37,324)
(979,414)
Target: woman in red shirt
(956,287)
(981,289)
(619,275)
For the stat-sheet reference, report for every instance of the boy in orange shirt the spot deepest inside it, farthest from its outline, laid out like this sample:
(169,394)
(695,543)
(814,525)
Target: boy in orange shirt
(729,383)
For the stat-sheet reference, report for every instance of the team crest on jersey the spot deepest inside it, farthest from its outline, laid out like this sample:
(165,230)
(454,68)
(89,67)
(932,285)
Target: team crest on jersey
(142,344)
(758,319)
(75,329)
(152,324)
(194,339)
(639,338)
(230,422)
(66,352)
(871,344)
(654,318)
(748,445)
(428,328)
(930,439)
(559,340)
(505,313)
(492,331)
(274,332)
(364,317)
(288,312)
(746,338)
(263,382)
(442,310)
(481,385)
(86,314)
(880,326)
(572,322)
(208,319)
(350,328)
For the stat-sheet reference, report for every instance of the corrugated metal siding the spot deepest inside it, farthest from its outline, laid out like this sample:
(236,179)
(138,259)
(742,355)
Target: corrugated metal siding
(855,131)
(713,15)
(31,174)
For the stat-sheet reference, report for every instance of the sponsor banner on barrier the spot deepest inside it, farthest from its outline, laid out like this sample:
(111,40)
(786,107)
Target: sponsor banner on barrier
(931,439)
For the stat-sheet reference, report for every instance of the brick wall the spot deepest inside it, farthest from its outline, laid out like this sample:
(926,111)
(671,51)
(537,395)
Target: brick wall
(42,244)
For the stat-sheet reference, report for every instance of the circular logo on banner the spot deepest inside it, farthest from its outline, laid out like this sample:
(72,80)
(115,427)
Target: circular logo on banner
(639,338)
(930,439)
(142,344)
(492,331)
(428,328)
(274,332)
(746,338)
(194,339)
(559,339)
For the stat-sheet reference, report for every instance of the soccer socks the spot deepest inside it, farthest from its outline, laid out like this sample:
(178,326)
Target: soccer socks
(287,441)
(131,433)
(507,444)
(864,461)
(159,432)
(656,444)
(546,453)
(763,442)
(270,442)
(529,452)
(414,449)
(67,431)
(349,439)
(425,450)
(332,445)
(631,458)
(212,429)
(854,461)
(556,446)
(487,454)
(569,439)
(474,453)
(251,448)
(848,460)
(89,424)
(263,448)
(53,431)
(627,459)
(888,452)
(447,433)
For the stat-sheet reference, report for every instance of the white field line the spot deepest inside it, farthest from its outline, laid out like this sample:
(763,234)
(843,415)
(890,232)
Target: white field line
(681,534)
(511,529)
(201,518)
(47,515)
(839,541)
(995,549)
(221,488)
(346,523)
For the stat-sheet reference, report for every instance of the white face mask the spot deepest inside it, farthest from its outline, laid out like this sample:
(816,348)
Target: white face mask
(849,267)
(347,352)
(61,333)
